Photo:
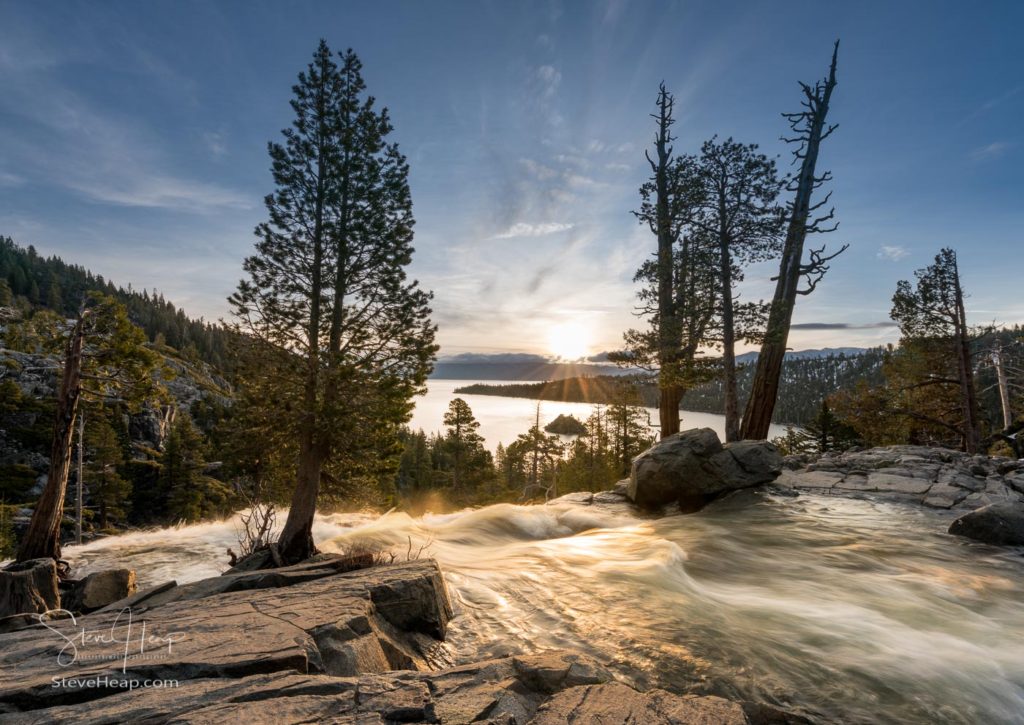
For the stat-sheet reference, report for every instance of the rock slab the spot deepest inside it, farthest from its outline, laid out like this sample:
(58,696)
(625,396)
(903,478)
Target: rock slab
(307,644)
(937,478)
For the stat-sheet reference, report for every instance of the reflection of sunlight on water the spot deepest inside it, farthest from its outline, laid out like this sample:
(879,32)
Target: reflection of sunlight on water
(502,419)
(851,610)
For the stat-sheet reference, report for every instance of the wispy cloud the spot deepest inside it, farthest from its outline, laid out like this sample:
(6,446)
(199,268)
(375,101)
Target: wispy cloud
(522,229)
(215,144)
(159,192)
(893,253)
(8,179)
(94,152)
(994,150)
(992,103)
(548,79)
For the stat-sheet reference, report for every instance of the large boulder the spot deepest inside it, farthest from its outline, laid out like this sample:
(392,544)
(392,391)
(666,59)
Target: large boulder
(100,589)
(998,523)
(693,467)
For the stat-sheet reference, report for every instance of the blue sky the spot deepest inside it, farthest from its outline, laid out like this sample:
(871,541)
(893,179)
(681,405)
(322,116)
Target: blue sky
(134,142)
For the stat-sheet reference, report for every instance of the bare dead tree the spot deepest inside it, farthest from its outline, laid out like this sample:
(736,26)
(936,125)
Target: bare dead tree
(258,520)
(805,218)
(679,296)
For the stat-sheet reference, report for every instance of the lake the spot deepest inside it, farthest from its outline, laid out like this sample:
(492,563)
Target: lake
(502,419)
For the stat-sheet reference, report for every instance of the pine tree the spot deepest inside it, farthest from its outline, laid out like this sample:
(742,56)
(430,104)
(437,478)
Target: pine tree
(339,331)
(933,312)
(735,205)
(103,358)
(191,494)
(463,439)
(108,491)
(679,295)
(415,469)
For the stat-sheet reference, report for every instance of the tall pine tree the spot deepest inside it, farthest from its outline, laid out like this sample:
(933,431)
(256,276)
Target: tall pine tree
(343,338)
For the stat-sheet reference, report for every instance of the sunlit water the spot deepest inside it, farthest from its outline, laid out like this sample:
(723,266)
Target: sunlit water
(502,419)
(844,610)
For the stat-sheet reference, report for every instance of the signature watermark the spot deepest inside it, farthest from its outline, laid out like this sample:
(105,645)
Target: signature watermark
(125,639)
(115,683)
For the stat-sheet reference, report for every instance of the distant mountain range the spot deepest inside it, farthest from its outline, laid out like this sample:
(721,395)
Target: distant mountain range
(526,366)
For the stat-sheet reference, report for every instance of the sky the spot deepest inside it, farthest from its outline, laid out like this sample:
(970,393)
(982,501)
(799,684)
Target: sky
(133,141)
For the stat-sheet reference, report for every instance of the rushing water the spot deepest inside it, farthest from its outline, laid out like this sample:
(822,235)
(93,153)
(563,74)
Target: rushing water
(502,419)
(844,610)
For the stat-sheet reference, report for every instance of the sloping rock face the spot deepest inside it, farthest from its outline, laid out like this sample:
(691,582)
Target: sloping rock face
(310,645)
(933,477)
(550,688)
(617,703)
(997,523)
(330,625)
(692,468)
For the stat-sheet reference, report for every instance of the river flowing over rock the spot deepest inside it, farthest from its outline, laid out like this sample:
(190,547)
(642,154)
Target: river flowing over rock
(838,605)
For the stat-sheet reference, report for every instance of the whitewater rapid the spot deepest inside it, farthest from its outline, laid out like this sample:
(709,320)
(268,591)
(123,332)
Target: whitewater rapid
(844,610)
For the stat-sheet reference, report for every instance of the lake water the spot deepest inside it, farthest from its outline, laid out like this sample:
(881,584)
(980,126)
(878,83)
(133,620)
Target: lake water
(502,419)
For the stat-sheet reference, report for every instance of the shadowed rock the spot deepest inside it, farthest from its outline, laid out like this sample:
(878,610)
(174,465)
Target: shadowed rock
(693,467)
(29,587)
(99,589)
(933,477)
(997,523)
(330,625)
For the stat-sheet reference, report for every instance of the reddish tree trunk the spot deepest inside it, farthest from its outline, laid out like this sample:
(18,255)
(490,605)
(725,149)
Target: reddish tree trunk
(668,410)
(42,539)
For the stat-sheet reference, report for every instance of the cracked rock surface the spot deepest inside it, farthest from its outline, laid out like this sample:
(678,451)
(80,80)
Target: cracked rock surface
(933,477)
(306,644)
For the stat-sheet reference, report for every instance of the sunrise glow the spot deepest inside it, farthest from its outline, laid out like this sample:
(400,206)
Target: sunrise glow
(570,340)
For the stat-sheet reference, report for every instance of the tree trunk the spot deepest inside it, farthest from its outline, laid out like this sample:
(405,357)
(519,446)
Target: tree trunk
(1003,384)
(79,483)
(29,588)
(968,394)
(668,326)
(42,539)
(765,388)
(296,540)
(668,410)
(732,405)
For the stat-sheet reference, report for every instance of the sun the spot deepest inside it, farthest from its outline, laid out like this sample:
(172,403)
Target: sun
(569,340)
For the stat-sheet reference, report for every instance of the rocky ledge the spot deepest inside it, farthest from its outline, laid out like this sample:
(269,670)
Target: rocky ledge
(933,477)
(691,468)
(310,643)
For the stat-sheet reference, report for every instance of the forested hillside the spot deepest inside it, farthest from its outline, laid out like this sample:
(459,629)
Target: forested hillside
(52,283)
